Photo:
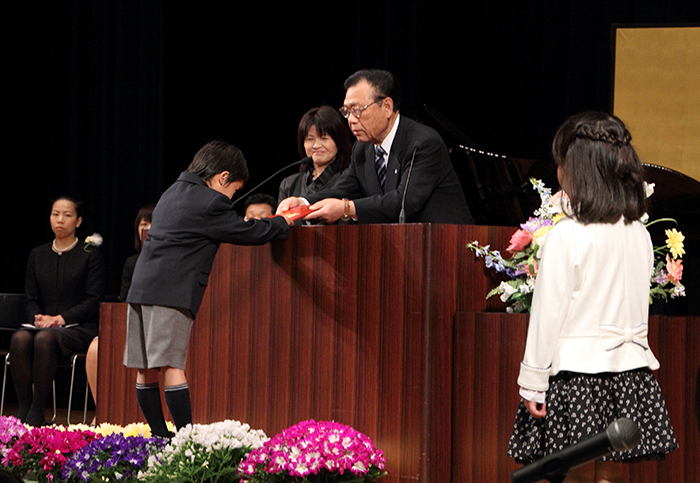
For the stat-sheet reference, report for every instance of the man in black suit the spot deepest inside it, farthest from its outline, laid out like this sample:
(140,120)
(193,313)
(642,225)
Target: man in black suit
(189,222)
(414,182)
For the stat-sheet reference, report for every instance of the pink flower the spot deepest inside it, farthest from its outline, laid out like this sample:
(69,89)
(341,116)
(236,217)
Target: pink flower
(534,266)
(519,241)
(674,269)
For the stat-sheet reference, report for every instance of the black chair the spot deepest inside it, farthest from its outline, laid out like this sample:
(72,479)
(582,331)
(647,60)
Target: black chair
(11,316)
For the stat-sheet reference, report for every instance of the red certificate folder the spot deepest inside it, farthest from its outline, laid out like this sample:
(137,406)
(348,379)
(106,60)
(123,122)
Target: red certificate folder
(297,213)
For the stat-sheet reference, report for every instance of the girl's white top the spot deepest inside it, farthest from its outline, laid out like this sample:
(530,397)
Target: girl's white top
(590,307)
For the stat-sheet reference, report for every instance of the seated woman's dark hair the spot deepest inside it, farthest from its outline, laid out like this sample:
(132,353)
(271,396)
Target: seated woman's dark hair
(604,176)
(145,213)
(216,157)
(328,121)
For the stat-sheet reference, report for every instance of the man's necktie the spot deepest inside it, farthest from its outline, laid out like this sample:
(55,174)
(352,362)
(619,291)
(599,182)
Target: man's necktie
(380,164)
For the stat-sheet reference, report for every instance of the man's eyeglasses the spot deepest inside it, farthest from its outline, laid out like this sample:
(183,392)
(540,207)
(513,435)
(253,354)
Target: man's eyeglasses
(356,111)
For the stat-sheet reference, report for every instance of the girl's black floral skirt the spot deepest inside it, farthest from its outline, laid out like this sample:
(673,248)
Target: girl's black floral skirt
(582,405)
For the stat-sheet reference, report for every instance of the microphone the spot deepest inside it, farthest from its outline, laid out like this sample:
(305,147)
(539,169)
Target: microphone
(622,435)
(304,160)
(402,213)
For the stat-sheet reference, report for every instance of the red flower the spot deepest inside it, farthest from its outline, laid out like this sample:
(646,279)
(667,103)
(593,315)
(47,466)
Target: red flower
(519,241)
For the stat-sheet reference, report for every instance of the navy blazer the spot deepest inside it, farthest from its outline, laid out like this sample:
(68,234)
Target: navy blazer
(189,222)
(434,193)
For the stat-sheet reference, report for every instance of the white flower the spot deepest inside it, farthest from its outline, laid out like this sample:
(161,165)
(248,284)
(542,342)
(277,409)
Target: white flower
(506,290)
(649,188)
(95,240)
(678,291)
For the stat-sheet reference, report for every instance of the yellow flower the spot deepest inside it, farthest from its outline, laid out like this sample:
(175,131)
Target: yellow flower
(540,232)
(674,242)
(556,218)
(105,429)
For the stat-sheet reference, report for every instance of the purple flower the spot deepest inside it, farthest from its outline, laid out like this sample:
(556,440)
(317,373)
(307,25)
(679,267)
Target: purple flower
(661,278)
(112,455)
(533,224)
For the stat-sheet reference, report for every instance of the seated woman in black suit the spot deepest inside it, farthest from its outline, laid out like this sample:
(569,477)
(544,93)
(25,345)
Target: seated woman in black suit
(322,134)
(63,285)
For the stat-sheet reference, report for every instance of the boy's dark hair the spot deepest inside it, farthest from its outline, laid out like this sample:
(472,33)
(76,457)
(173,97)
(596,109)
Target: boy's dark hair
(145,213)
(260,199)
(328,121)
(604,176)
(385,84)
(218,156)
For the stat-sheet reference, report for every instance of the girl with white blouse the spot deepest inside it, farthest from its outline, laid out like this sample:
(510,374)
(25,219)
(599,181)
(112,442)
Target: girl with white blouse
(587,361)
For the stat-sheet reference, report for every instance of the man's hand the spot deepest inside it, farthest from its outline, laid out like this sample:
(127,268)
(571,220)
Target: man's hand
(288,204)
(329,210)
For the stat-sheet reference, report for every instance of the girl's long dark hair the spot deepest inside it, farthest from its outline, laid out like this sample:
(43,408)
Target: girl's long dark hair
(603,174)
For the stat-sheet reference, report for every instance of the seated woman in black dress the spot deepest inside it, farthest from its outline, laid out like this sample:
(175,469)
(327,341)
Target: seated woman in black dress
(324,135)
(63,285)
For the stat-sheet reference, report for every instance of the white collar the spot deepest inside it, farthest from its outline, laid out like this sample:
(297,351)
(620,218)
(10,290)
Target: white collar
(389,139)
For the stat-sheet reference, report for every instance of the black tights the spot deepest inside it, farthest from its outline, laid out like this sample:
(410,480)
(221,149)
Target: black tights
(33,359)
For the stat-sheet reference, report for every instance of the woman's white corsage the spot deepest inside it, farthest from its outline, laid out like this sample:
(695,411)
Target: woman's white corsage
(94,240)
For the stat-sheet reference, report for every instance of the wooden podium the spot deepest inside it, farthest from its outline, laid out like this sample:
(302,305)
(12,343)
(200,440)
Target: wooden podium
(381,327)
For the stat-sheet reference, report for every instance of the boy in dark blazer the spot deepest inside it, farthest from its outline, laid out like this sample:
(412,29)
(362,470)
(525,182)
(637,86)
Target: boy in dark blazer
(189,222)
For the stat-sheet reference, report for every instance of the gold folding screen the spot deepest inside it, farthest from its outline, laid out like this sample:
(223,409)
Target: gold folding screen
(657,93)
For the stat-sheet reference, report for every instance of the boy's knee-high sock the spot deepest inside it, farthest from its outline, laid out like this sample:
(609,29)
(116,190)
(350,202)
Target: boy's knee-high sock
(178,400)
(148,396)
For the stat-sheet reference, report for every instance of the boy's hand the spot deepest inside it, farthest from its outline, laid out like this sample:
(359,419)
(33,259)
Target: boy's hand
(289,219)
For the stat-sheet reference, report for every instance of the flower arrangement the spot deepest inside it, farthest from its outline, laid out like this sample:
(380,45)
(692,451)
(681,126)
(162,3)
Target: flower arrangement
(204,453)
(114,457)
(668,266)
(313,451)
(94,240)
(43,451)
(526,243)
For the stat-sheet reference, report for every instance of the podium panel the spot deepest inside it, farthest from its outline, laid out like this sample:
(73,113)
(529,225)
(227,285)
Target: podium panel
(488,348)
(345,323)
(381,327)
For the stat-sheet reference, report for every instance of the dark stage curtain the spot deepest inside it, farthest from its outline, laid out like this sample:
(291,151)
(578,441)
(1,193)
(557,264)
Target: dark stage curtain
(111,99)
(82,98)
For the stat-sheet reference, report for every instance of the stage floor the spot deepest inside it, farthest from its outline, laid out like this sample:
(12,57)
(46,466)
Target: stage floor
(61,414)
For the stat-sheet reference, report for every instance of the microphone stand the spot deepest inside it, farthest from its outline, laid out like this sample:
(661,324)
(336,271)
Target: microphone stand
(269,178)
